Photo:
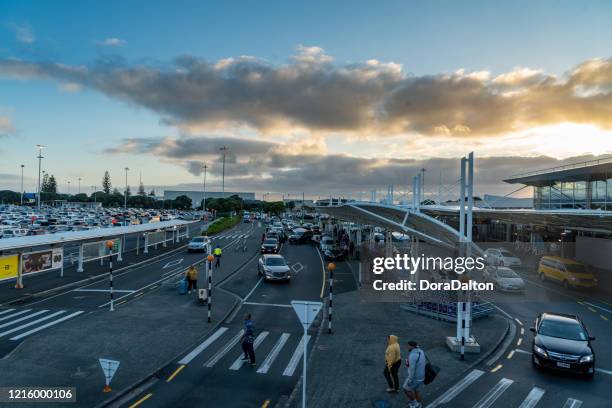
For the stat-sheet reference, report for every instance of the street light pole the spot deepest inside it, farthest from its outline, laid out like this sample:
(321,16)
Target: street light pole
(126,189)
(79,185)
(21,201)
(40,157)
(69,188)
(223,149)
(204,167)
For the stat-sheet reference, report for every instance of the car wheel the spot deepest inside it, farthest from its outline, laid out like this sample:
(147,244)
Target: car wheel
(566,284)
(542,277)
(589,376)
(534,364)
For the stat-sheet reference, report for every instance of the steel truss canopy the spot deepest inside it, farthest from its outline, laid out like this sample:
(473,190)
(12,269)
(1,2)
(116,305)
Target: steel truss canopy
(401,219)
(72,236)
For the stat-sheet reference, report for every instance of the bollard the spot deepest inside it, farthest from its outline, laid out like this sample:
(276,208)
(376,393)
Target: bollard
(109,245)
(331,266)
(209,260)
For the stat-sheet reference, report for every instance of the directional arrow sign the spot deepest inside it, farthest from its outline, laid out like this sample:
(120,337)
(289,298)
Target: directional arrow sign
(109,367)
(306,311)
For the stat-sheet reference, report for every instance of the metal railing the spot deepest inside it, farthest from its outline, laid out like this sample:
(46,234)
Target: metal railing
(570,166)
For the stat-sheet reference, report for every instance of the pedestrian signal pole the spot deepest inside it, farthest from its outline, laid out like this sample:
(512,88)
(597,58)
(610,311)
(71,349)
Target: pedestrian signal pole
(209,261)
(110,244)
(331,267)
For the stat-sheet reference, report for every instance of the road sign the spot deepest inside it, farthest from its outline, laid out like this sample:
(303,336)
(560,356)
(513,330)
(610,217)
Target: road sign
(109,367)
(306,311)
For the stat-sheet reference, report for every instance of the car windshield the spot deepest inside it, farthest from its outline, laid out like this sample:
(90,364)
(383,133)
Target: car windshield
(577,268)
(506,253)
(506,273)
(198,239)
(562,330)
(270,242)
(275,262)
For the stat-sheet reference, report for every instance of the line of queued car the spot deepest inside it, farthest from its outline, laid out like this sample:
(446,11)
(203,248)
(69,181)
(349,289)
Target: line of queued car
(18,221)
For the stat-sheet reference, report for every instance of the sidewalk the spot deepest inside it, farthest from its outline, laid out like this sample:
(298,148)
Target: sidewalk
(346,368)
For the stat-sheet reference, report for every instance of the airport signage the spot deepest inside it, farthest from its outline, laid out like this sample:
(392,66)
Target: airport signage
(9,267)
(33,262)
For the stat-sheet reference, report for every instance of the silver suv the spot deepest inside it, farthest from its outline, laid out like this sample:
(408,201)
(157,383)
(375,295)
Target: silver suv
(273,267)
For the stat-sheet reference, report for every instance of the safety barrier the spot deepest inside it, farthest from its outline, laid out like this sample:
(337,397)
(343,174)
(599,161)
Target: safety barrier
(447,311)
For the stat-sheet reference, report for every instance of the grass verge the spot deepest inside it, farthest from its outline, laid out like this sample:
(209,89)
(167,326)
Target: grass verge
(221,224)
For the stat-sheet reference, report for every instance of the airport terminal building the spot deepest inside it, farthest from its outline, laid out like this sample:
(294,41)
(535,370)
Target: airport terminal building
(198,196)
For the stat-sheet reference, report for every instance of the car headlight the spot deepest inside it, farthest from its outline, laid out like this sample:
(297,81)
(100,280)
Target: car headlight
(539,350)
(586,359)
(573,278)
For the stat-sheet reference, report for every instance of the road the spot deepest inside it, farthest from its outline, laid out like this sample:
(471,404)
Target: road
(213,375)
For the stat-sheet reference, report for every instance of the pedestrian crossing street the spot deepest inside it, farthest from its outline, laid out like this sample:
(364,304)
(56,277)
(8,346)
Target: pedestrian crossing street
(16,324)
(231,236)
(280,353)
(498,395)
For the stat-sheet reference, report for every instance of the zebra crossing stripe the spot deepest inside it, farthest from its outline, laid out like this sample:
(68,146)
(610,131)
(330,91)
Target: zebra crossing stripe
(23,326)
(494,393)
(44,326)
(14,314)
(205,344)
(6,311)
(21,319)
(265,366)
(215,359)
(572,403)
(295,358)
(453,391)
(533,398)
(239,361)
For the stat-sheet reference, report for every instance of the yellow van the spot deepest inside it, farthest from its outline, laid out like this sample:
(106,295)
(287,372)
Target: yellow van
(566,271)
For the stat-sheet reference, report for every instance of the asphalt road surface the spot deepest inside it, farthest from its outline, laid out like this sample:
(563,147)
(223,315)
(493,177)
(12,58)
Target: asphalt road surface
(213,375)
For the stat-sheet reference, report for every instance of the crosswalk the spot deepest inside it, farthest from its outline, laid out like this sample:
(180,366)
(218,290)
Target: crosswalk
(16,324)
(491,397)
(223,347)
(231,236)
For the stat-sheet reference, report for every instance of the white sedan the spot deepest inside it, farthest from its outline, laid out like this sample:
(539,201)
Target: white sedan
(502,257)
(504,279)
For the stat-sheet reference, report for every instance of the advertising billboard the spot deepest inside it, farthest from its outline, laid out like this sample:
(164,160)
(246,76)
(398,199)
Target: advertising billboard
(33,262)
(9,266)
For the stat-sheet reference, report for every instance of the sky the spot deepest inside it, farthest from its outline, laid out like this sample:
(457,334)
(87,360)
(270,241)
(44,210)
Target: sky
(326,98)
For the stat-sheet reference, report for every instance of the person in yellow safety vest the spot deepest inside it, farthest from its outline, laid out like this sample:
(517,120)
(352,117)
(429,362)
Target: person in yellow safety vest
(192,278)
(217,253)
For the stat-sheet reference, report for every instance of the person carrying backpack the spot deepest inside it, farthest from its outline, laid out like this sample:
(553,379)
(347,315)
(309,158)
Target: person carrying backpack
(393,361)
(413,385)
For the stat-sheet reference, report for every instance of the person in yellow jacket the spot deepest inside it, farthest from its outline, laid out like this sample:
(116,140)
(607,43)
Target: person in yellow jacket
(393,361)
(192,278)
(217,253)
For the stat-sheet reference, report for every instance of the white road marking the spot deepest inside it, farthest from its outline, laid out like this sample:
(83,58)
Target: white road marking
(15,314)
(601,370)
(6,311)
(534,396)
(296,357)
(297,267)
(265,366)
(203,346)
(172,263)
(518,321)
(104,290)
(572,403)
(253,290)
(266,304)
(501,310)
(239,361)
(21,319)
(494,393)
(453,391)
(23,326)
(44,326)
(228,346)
(523,351)
(599,307)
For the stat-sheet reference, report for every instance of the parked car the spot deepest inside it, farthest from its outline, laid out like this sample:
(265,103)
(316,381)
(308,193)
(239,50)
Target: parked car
(198,244)
(566,271)
(273,267)
(502,257)
(562,342)
(504,279)
(270,246)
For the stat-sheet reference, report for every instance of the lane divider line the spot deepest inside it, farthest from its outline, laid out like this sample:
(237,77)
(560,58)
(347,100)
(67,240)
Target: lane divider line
(140,401)
(178,370)
(496,368)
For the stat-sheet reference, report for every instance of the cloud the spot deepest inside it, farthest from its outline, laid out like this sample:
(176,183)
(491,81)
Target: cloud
(273,167)
(314,93)
(6,126)
(23,33)
(112,42)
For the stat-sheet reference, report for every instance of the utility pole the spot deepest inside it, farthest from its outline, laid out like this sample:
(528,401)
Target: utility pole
(223,149)
(40,157)
(422,184)
(21,201)
(204,167)
(126,189)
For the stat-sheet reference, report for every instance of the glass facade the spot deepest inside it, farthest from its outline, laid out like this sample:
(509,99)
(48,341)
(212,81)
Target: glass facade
(579,194)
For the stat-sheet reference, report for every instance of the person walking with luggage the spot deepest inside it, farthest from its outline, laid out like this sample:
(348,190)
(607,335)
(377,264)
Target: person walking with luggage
(413,385)
(248,340)
(217,253)
(192,278)
(393,361)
